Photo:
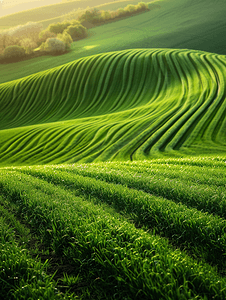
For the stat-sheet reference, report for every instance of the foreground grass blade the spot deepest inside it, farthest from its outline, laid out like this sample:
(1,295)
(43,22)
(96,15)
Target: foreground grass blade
(97,239)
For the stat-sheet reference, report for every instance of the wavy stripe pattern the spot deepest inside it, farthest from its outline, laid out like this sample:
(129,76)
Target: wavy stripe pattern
(125,105)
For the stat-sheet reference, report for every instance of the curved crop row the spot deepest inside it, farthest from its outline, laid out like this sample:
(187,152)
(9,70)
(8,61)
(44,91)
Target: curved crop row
(21,276)
(183,214)
(124,105)
(130,261)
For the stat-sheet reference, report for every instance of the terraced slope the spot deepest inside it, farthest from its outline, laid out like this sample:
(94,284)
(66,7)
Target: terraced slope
(126,105)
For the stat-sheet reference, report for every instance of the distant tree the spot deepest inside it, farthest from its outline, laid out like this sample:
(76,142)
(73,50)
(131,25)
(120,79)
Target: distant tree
(77,32)
(29,45)
(142,6)
(75,22)
(73,15)
(7,40)
(54,46)
(90,15)
(46,34)
(113,14)
(105,15)
(29,30)
(66,38)
(58,27)
(130,9)
(13,53)
(121,12)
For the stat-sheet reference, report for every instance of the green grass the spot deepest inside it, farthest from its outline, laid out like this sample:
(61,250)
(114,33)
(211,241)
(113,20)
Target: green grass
(177,220)
(112,166)
(135,242)
(127,105)
(21,276)
(191,24)
(54,13)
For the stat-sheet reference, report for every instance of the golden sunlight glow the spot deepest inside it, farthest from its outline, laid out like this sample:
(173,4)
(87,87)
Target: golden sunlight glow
(89,47)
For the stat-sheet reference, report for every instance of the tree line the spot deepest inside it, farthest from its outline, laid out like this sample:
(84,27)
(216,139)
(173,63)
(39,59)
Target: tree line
(31,40)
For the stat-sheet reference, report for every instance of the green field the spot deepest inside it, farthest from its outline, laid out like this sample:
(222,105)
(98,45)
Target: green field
(55,12)
(113,159)
(183,24)
(140,230)
(126,105)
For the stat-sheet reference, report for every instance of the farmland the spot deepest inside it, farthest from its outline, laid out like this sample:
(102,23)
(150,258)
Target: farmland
(55,12)
(112,163)
(126,105)
(184,24)
(150,228)
(142,230)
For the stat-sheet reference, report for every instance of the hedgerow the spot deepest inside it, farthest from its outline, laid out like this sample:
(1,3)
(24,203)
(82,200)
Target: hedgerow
(36,41)
(96,16)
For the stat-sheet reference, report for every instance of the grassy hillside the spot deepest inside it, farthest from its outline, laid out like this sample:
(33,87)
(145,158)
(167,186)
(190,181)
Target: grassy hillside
(11,7)
(78,8)
(125,105)
(48,14)
(40,13)
(112,163)
(198,25)
(136,230)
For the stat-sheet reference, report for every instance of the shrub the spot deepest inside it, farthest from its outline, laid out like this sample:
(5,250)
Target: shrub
(130,9)
(74,14)
(58,27)
(121,12)
(54,46)
(7,40)
(90,15)
(46,34)
(95,16)
(105,15)
(66,38)
(114,14)
(30,30)
(28,45)
(75,22)
(13,53)
(77,32)
(142,6)
(1,56)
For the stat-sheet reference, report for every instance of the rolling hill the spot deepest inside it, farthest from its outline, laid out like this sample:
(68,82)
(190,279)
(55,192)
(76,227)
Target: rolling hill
(112,162)
(126,105)
(183,24)
(10,7)
(53,13)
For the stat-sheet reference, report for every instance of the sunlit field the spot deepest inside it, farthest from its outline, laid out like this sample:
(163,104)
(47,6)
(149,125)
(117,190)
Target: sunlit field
(52,13)
(113,159)
(184,24)
(144,230)
(126,105)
